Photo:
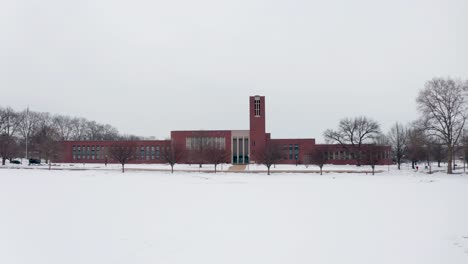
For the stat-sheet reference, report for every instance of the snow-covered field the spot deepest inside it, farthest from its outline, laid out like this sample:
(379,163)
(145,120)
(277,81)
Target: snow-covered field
(205,168)
(104,216)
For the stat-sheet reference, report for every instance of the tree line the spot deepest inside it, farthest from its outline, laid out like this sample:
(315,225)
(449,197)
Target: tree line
(439,134)
(37,134)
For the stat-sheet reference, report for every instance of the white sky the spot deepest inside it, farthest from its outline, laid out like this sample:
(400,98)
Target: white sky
(149,67)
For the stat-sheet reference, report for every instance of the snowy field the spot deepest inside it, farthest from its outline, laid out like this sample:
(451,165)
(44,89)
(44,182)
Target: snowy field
(205,168)
(103,216)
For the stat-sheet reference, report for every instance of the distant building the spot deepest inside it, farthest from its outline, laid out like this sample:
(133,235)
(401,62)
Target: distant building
(242,146)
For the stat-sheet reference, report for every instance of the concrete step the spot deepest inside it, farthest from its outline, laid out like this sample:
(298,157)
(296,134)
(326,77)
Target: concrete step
(237,168)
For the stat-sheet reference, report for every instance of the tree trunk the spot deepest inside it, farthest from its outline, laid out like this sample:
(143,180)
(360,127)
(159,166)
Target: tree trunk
(359,158)
(321,171)
(3,161)
(438,163)
(399,163)
(449,160)
(268,170)
(215,168)
(172,168)
(123,168)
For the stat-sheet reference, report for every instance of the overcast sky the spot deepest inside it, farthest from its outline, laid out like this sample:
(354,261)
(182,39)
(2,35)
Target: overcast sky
(149,67)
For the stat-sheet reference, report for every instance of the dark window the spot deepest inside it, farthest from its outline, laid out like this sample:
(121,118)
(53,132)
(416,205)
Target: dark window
(257,106)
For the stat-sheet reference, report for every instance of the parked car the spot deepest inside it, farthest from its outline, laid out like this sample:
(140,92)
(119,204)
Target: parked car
(34,161)
(15,162)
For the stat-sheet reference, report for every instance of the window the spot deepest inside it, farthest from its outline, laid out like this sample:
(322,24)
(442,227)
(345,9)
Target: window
(257,106)
(103,152)
(235,151)
(142,152)
(198,142)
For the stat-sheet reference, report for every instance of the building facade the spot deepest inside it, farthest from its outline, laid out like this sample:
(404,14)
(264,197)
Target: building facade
(240,146)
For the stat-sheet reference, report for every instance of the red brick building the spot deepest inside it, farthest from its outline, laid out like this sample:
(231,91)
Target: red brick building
(241,146)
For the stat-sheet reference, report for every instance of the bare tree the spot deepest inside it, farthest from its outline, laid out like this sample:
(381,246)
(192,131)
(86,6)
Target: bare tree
(8,147)
(199,144)
(9,122)
(80,127)
(429,151)
(84,129)
(109,132)
(444,112)
(416,142)
(216,155)
(28,124)
(352,133)
(398,140)
(172,154)
(122,152)
(270,155)
(45,143)
(128,137)
(94,130)
(9,128)
(438,150)
(318,157)
(464,144)
(64,126)
(372,156)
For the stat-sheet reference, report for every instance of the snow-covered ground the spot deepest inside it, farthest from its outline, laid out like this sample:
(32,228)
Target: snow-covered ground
(104,216)
(205,167)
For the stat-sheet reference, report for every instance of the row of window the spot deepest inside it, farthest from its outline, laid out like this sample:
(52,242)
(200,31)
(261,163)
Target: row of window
(292,152)
(200,142)
(240,145)
(94,152)
(97,152)
(344,155)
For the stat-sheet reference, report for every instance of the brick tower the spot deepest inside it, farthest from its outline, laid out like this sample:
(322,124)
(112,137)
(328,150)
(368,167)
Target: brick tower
(257,127)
